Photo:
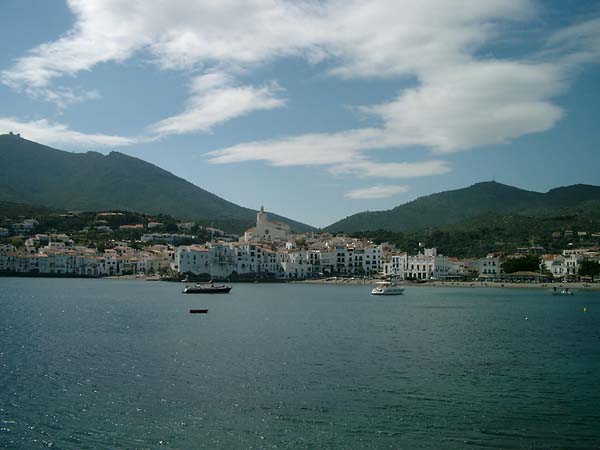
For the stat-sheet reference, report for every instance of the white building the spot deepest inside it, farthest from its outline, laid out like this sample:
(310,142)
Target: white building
(562,266)
(423,266)
(224,259)
(488,267)
(358,260)
(396,266)
(266,230)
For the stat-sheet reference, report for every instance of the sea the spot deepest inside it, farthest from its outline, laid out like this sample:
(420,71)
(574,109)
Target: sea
(122,364)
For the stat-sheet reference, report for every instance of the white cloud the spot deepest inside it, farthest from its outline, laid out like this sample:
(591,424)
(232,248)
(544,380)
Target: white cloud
(178,34)
(61,135)
(214,101)
(378,191)
(460,99)
(389,38)
(305,150)
(391,170)
(576,44)
(472,105)
(343,153)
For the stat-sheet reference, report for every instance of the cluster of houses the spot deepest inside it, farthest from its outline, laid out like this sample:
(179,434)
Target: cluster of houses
(58,255)
(267,251)
(566,265)
(26,226)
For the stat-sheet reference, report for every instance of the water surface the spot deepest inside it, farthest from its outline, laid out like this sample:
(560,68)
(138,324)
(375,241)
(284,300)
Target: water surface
(116,364)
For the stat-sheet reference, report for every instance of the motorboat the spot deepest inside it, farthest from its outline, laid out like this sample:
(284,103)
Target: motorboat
(207,288)
(387,288)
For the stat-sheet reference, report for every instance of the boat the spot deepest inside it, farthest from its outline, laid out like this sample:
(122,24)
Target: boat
(207,288)
(564,291)
(387,288)
(198,311)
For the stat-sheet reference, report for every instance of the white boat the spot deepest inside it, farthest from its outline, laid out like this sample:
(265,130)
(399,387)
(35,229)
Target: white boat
(565,291)
(387,288)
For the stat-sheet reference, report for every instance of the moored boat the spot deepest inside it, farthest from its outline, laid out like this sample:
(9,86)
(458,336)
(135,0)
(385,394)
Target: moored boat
(387,288)
(207,288)
(564,291)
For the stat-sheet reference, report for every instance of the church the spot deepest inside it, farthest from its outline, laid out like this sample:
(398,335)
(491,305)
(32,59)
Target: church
(266,230)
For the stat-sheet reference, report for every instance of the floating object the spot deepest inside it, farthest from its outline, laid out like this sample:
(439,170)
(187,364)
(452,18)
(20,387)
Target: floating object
(207,289)
(562,292)
(585,309)
(198,311)
(387,288)
(526,318)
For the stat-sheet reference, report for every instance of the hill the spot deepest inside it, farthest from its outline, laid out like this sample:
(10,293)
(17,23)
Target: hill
(493,232)
(452,207)
(36,174)
(12,210)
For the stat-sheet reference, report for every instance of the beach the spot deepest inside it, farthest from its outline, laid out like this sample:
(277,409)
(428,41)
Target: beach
(575,286)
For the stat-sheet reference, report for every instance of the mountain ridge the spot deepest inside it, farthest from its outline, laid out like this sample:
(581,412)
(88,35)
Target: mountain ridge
(450,207)
(37,174)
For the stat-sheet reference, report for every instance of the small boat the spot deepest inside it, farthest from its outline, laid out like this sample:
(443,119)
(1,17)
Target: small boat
(565,291)
(198,311)
(387,288)
(207,289)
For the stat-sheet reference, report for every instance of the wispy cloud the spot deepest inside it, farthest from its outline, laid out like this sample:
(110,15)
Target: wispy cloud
(61,135)
(459,101)
(576,44)
(378,191)
(305,150)
(215,100)
(392,170)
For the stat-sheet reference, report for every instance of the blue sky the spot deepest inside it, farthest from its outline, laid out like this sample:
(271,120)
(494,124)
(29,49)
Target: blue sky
(315,109)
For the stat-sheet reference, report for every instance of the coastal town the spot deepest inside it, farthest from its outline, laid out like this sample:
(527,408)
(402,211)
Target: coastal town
(269,251)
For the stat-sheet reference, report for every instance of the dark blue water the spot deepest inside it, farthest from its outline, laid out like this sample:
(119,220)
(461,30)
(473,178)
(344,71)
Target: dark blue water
(113,364)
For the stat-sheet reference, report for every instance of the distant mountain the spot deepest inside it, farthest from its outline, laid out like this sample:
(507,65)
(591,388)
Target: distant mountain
(493,232)
(36,174)
(451,207)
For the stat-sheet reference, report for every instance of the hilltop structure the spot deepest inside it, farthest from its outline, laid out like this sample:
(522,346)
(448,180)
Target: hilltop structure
(266,230)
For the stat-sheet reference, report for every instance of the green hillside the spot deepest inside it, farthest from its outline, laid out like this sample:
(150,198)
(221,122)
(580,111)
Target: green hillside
(494,232)
(12,210)
(36,174)
(450,207)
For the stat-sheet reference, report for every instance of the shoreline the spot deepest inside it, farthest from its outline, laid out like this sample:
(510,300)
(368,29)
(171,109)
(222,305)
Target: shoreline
(579,286)
(574,286)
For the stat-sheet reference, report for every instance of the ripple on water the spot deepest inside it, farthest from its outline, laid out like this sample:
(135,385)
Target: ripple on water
(123,365)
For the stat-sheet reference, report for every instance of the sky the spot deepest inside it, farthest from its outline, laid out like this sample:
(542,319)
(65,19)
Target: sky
(314,109)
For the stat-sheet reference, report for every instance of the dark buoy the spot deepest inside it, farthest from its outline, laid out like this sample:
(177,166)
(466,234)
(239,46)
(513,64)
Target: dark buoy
(198,311)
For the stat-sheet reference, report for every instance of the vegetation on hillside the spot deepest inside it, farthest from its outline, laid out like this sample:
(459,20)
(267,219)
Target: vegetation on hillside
(13,210)
(454,207)
(488,233)
(40,175)
(83,226)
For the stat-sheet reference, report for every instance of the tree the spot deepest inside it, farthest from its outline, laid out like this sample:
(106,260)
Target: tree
(528,263)
(17,242)
(300,243)
(589,268)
